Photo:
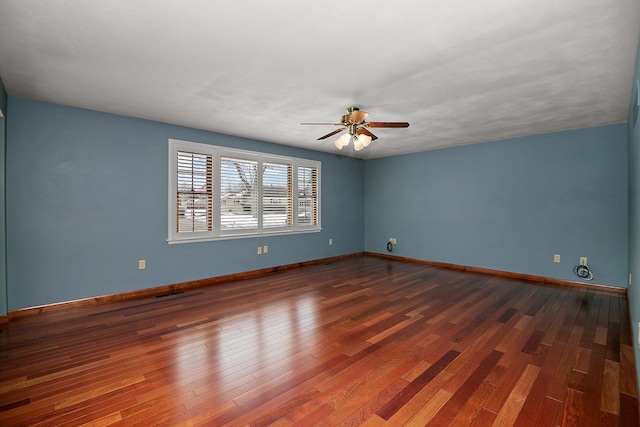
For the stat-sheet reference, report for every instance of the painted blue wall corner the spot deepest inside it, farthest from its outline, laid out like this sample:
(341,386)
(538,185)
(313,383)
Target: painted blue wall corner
(634,216)
(3,229)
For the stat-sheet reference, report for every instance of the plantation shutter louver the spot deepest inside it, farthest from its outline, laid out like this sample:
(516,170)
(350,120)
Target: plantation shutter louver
(307,196)
(194,192)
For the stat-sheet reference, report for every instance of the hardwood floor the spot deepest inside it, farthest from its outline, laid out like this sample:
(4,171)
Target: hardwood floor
(363,341)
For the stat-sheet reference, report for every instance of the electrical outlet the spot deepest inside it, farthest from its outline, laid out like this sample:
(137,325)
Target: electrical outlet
(265,249)
(392,240)
(142,264)
(583,260)
(330,242)
(259,250)
(556,258)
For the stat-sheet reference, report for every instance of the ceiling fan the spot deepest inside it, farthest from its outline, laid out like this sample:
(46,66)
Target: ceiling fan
(355,122)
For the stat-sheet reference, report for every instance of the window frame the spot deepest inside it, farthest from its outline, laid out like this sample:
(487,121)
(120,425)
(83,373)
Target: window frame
(217,233)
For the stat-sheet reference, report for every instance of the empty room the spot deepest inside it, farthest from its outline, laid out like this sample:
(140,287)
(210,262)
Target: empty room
(319,213)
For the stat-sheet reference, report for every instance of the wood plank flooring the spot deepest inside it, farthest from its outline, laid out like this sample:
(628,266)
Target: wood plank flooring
(362,341)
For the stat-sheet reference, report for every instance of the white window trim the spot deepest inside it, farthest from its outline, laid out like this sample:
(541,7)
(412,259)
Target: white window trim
(217,233)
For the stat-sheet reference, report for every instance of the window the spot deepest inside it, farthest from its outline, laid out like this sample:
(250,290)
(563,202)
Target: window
(277,196)
(239,182)
(194,192)
(307,196)
(217,192)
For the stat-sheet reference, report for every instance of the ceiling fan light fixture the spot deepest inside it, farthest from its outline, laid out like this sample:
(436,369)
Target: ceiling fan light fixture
(357,144)
(364,139)
(343,141)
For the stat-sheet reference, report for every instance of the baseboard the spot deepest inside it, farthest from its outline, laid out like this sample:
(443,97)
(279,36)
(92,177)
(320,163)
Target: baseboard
(193,284)
(520,276)
(167,289)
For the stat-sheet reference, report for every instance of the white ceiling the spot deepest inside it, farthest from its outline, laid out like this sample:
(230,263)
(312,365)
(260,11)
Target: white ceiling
(460,71)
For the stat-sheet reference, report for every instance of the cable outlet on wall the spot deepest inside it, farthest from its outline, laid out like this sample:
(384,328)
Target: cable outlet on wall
(583,260)
(556,258)
(142,264)
(393,240)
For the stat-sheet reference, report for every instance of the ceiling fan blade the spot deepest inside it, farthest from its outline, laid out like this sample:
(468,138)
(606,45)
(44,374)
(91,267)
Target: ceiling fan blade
(331,134)
(387,124)
(358,116)
(324,124)
(361,131)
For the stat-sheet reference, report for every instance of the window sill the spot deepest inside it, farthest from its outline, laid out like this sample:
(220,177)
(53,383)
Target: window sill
(239,236)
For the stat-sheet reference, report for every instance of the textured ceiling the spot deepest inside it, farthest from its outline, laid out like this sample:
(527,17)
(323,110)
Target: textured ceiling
(460,72)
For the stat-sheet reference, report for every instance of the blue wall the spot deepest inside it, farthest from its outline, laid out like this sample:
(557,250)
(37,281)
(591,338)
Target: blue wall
(634,219)
(508,205)
(3,236)
(87,197)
